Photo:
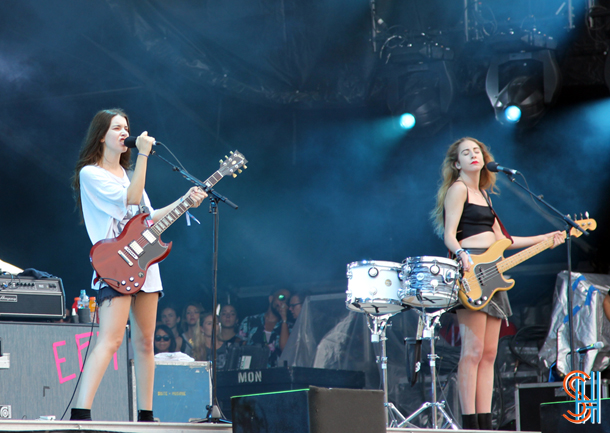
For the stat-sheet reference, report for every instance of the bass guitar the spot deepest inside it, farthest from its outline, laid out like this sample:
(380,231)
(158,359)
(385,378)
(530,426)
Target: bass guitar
(485,278)
(122,262)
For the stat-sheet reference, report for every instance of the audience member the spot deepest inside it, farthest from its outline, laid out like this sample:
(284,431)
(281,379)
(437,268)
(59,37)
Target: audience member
(192,332)
(270,328)
(171,319)
(229,325)
(164,340)
(296,302)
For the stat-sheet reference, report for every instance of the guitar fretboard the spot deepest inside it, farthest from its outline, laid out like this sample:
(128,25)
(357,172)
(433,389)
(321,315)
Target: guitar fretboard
(520,257)
(163,224)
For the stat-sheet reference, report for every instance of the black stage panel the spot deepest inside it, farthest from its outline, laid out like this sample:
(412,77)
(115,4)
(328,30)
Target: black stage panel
(313,410)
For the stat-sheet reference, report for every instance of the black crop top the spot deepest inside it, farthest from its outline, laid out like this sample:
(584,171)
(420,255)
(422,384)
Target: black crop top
(475,219)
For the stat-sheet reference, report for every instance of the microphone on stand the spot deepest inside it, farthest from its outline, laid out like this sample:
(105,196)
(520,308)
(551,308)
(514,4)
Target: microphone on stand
(131,142)
(595,346)
(495,167)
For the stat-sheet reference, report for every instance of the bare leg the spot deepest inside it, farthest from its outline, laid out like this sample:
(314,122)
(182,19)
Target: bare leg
(143,322)
(472,333)
(485,377)
(113,319)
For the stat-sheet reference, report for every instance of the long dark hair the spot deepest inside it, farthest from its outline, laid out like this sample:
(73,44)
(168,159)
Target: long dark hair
(172,340)
(92,150)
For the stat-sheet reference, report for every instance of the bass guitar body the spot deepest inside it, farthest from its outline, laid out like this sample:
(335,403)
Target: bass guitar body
(122,262)
(484,279)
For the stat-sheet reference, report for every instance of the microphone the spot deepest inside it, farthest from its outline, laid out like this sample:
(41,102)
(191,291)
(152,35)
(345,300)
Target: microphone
(495,167)
(131,142)
(594,346)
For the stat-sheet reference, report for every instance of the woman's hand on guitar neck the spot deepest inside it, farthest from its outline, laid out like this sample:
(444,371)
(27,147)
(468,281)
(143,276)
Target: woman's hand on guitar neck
(558,237)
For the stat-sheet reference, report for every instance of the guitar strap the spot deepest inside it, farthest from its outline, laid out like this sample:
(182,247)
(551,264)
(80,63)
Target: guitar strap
(504,231)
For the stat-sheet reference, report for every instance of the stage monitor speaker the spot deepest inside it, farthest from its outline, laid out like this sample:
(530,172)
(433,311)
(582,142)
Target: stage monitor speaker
(552,420)
(529,397)
(313,410)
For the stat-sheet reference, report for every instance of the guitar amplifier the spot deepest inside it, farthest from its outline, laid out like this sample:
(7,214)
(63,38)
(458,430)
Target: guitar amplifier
(28,297)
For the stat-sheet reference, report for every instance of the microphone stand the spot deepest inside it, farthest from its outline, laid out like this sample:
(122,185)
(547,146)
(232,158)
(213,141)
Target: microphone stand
(214,414)
(568,222)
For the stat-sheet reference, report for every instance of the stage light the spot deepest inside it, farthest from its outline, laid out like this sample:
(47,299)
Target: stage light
(512,113)
(521,86)
(426,92)
(407,121)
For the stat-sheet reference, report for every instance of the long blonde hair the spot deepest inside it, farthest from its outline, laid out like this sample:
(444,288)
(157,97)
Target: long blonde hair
(449,174)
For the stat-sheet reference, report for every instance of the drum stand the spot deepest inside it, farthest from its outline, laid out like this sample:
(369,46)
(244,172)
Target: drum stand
(377,325)
(430,321)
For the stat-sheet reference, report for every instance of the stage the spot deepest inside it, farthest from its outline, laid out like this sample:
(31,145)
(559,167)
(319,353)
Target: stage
(132,427)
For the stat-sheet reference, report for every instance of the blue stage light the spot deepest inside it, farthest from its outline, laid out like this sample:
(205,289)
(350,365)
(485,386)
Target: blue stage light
(512,113)
(407,121)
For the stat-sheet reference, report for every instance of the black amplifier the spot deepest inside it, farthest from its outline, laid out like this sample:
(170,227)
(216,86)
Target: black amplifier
(28,297)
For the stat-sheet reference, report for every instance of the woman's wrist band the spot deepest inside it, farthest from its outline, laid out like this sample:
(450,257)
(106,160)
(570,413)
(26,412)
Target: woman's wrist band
(459,251)
(143,154)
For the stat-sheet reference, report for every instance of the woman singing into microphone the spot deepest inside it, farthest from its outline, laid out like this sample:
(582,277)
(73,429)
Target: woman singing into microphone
(464,218)
(108,199)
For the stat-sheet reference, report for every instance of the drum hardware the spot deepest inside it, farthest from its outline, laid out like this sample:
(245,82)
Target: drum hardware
(377,325)
(430,320)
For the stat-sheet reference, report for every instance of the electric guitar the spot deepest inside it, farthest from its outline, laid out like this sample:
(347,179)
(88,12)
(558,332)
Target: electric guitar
(122,262)
(485,278)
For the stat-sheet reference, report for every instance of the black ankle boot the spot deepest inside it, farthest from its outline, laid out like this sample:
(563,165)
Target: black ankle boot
(145,416)
(80,414)
(485,421)
(470,422)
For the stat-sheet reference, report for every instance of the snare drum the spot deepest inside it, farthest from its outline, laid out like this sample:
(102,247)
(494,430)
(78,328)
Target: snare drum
(372,287)
(429,282)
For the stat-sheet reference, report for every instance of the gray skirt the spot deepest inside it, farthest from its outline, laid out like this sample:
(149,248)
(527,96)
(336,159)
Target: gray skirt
(499,306)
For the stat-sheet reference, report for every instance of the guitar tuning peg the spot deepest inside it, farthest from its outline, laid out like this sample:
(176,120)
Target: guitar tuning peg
(234,174)
(239,170)
(587,215)
(581,216)
(231,152)
(245,167)
(226,157)
(221,161)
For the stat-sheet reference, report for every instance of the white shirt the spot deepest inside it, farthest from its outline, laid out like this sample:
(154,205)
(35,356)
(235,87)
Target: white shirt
(105,211)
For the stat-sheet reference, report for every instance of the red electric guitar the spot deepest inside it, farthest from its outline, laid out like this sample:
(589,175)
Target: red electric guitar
(122,262)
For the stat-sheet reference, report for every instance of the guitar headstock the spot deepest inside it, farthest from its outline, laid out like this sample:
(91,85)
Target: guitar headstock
(233,164)
(587,224)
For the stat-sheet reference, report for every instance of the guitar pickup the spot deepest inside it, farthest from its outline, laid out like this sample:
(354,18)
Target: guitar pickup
(151,238)
(131,252)
(135,249)
(124,257)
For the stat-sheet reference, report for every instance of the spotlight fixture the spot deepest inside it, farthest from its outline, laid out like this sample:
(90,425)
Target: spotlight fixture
(420,95)
(521,86)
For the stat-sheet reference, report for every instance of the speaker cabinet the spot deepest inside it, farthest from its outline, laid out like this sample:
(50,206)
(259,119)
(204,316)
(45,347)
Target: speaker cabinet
(40,367)
(313,410)
(552,420)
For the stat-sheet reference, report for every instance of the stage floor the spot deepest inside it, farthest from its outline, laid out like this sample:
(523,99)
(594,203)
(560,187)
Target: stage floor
(133,427)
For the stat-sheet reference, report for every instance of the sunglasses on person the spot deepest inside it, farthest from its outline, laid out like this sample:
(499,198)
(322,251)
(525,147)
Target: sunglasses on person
(294,305)
(161,337)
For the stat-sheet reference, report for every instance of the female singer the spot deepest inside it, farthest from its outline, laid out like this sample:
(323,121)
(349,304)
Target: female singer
(108,199)
(463,216)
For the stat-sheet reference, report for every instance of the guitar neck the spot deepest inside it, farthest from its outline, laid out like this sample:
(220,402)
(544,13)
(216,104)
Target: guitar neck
(528,253)
(174,214)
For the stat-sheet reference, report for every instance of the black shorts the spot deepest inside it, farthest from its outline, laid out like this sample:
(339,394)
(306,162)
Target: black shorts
(107,293)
